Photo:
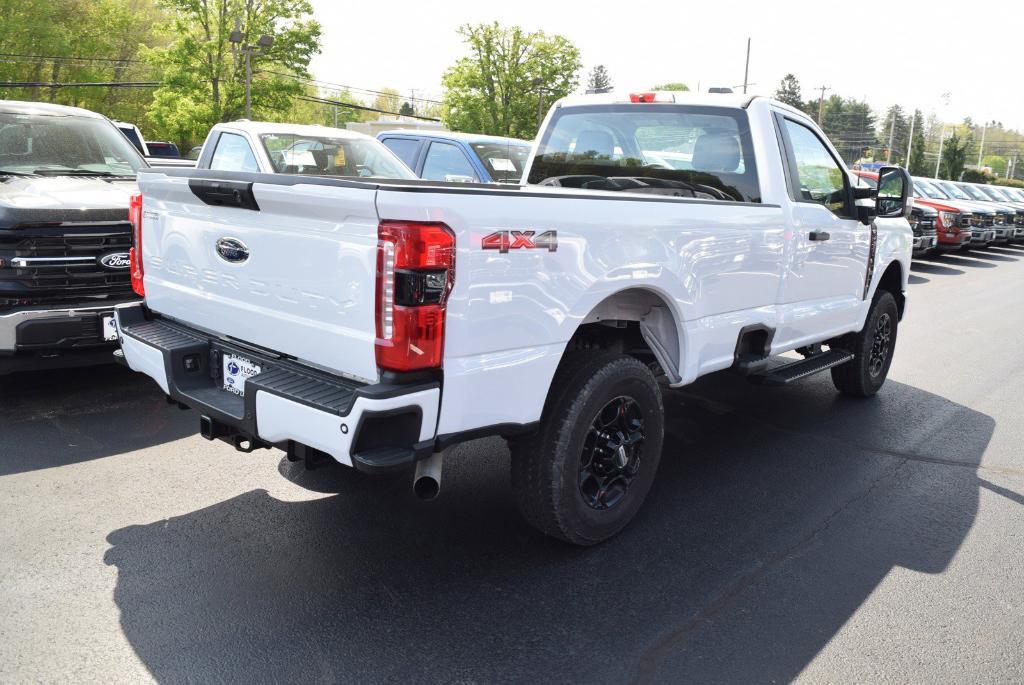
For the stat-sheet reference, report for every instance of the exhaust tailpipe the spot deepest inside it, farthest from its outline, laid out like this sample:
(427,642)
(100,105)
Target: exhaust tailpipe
(427,481)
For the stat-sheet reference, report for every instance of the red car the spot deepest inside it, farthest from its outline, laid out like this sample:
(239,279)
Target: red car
(952,225)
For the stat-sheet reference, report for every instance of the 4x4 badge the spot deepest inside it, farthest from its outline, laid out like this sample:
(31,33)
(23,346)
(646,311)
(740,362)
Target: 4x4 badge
(503,241)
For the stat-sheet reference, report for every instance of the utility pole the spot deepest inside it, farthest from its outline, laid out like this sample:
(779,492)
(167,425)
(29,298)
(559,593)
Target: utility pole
(892,131)
(238,45)
(910,141)
(981,150)
(538,83)
(942,139)
(821,102)
(746,69)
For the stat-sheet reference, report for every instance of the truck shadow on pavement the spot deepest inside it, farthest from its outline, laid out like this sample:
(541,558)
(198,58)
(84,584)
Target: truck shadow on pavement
(60,417)
(776,513)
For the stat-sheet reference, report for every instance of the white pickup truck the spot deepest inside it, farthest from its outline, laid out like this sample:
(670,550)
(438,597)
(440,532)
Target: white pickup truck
(656,237)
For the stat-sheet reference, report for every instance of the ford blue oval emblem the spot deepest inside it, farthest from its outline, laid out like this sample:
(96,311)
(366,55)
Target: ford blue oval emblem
(232,250)
(115,261)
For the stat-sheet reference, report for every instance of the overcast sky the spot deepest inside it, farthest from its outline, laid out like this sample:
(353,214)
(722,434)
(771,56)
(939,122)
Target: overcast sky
(909,52)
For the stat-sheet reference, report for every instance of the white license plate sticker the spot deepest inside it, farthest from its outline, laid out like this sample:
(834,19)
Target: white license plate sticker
(236,371)
(109,328)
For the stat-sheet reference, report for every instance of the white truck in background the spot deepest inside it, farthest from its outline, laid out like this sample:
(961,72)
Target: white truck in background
(656,237)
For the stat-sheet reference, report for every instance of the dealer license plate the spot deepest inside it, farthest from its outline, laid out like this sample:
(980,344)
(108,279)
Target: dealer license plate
(109,328)
(236,371)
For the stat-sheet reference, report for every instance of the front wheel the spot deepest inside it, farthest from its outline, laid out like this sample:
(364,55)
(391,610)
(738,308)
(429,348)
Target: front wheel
(583,475)
(872,349)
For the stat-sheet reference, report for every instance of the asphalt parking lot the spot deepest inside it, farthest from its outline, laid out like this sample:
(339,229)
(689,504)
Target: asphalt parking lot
(790,534)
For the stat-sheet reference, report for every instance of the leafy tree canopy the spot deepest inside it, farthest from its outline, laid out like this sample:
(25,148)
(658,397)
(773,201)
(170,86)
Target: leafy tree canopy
(508,77)
(789,92)
(204,79)
(599,79)
(673,85)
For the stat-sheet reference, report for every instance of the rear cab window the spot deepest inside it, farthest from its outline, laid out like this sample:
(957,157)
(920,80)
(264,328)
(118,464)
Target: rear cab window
(233,154)
(675,150)
(504,161)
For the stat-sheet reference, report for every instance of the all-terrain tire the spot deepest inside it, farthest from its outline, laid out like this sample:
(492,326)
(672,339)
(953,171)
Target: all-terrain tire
(558,489)
(872,348)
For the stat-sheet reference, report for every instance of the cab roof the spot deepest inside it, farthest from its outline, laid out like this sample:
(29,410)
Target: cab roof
(681,97)
(45,108)
(262,127)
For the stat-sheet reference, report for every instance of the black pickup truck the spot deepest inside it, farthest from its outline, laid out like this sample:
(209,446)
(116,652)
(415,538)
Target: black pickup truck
(66,175)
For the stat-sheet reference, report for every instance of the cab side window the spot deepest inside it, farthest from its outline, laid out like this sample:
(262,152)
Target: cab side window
(821,178)
(233,154)
(405,148)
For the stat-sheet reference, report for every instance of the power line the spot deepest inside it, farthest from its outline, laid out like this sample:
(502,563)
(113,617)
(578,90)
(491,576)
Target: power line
(114,60)
(338,103)
(339,86)
(92,84)
(70,58)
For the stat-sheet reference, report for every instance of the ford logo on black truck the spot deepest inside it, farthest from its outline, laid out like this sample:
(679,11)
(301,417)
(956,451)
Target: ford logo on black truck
(114,260)
(232,250)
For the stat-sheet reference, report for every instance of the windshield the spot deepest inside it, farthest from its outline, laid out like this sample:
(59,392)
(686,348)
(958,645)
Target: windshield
(929,191)
(952,190)
(676,150)
(1015,194)
(994,193)
(504,161)
(48,144)
(971,192)
(326,156)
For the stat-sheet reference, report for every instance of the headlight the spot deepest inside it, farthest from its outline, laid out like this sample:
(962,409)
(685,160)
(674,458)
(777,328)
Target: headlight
(948,219)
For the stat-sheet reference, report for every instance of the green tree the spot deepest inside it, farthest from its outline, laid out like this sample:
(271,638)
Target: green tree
(204,78)
(599,80)
(303,111)
(389,100)
(997,163)
(74,41)
(406,109)
(895,127)
(850,125)
(917,165)
(954,156)
(673,85)
(508,77)
(789,92)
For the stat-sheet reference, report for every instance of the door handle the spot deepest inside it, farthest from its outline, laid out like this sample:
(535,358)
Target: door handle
(818,235)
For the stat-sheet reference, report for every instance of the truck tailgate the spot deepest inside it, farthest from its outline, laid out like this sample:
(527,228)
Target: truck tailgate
(295,276)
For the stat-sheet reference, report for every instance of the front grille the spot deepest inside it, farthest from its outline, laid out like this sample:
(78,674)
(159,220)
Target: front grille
(965,221)
(60,264)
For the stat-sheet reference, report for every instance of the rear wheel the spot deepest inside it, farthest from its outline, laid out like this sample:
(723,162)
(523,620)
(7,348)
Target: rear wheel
(583,475)
(872,348)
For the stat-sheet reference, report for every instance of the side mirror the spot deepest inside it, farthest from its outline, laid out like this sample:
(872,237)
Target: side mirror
(893,199)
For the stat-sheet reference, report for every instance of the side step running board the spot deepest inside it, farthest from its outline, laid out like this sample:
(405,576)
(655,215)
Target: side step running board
(789,373)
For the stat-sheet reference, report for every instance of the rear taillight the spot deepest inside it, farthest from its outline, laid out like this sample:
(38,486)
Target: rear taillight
(135,253)
(415,273)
